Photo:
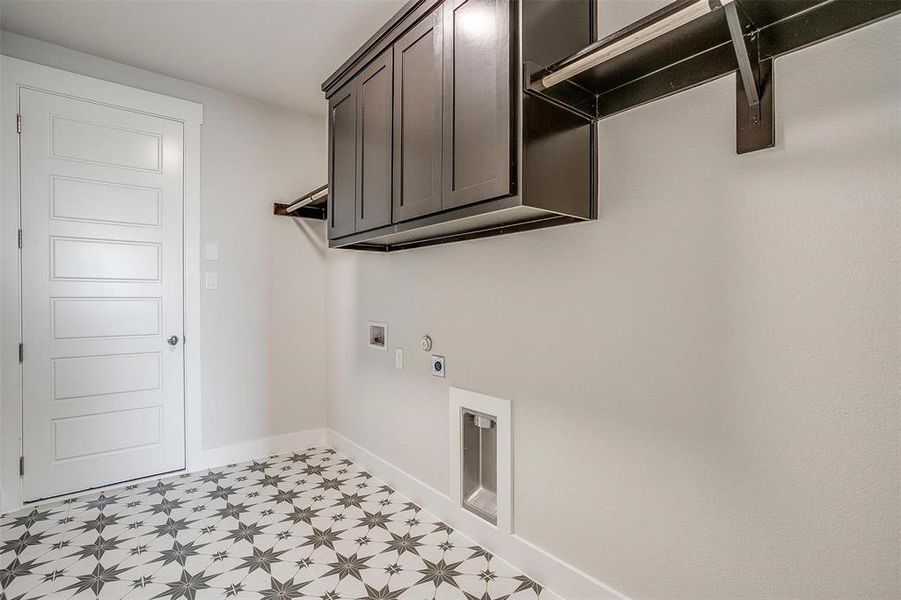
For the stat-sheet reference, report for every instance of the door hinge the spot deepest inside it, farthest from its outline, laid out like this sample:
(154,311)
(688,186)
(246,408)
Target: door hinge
(20,239)
(21,466)
(18,123)
(21,352)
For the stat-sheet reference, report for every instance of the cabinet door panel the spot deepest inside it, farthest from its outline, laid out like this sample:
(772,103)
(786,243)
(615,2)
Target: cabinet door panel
(342,162)
(374,130)
(417,120)
(477,80)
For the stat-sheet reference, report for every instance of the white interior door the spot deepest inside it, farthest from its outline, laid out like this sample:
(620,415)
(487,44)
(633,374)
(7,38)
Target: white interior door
(102,292)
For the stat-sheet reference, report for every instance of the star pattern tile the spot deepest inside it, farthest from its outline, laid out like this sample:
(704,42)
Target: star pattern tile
(309,525)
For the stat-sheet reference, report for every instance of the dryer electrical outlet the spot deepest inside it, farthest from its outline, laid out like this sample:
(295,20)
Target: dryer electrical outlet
(438,368)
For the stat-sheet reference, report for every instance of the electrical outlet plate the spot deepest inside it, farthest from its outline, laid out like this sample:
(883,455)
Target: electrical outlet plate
(438,368)
(211,279)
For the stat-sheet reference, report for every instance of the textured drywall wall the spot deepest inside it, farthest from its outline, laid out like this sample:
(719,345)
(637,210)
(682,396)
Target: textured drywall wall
(263,330)
(704,382)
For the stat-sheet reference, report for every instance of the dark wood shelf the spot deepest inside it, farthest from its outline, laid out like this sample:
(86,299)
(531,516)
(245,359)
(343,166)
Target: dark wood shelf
(699,51)
(314,209)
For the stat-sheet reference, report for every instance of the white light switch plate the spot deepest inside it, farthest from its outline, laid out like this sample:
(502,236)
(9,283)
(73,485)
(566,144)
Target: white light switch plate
(211,251)
(398,358)
(211,278)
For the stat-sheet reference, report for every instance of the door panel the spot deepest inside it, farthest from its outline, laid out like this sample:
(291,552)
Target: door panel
(82,318)
(417,119)
(82,200)
(342,162)
(374,130)
(90,436)
(99,375)
(79,139)
(102,289)
(106,259)
(477,81)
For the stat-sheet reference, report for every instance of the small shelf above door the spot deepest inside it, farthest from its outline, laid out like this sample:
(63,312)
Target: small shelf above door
(312,205)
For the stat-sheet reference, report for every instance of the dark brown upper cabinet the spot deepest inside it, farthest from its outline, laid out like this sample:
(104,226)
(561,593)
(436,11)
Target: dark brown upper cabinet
(342,161)
(471,154)
(477,82)
(360,132)
(417,119)
(374,131)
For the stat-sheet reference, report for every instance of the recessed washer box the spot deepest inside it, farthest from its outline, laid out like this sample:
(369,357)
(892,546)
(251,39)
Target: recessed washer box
(378,335)
(480,457)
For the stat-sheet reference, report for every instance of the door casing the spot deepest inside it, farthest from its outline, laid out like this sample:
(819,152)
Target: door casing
(17,74)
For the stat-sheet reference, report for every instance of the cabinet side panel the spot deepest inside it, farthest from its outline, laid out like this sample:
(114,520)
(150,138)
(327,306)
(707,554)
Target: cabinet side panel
(555,29)
(559,172)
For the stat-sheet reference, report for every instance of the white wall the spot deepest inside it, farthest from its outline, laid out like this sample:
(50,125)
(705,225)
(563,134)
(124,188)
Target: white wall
(705,382)
(263,373)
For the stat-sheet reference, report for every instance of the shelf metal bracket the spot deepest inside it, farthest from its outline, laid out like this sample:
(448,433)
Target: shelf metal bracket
(755,126)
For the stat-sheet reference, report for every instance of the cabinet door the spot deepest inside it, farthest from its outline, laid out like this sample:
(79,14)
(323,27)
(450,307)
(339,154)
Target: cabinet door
(417,120)
(342,161)
(374,92)
(477,80)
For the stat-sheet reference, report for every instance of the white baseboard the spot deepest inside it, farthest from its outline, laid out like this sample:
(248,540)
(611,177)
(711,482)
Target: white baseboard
(260,448)
(558,576)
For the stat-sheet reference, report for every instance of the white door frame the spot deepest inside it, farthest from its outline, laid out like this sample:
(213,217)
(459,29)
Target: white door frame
(18,74)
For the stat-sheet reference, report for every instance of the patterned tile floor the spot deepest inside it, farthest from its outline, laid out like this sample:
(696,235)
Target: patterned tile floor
(308,525)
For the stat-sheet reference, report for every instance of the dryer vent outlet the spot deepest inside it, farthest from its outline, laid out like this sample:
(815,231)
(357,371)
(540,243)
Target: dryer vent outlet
(481,457)
(480,465)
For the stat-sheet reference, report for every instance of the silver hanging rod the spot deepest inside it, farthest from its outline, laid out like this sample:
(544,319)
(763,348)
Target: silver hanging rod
(307,200)
(299,204)
(687,14)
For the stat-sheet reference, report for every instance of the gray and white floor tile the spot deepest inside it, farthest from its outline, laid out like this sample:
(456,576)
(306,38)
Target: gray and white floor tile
(308,525)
